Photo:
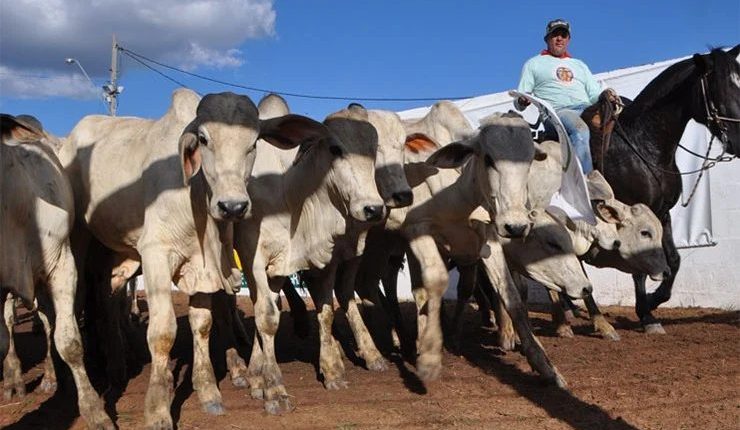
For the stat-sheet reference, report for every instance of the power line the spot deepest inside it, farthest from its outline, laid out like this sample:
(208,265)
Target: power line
(129,54)
(141,59)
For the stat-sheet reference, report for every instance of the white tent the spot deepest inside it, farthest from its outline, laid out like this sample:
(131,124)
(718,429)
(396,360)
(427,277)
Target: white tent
(708,276)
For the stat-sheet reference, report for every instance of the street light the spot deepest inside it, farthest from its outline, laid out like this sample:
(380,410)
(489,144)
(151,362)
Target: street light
(71,61)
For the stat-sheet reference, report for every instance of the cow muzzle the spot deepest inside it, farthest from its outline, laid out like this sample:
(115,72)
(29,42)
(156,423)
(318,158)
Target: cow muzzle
(231,210)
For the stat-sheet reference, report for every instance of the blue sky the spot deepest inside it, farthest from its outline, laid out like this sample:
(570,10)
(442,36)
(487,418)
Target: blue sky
(394,49)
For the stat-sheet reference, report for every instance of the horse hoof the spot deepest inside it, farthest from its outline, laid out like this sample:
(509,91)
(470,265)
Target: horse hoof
(214,408)
(239,382)
(379,365)
(654,328)
(336,384)
(280,406)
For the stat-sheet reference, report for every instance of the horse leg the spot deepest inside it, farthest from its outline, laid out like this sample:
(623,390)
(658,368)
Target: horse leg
(465,286)
(298,310)
(663,293)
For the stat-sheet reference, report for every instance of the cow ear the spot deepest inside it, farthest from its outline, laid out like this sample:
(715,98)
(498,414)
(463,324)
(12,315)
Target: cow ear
(15,130)
(451,156)
(416,172)
(419,143)
(609,213)
(598,187)
(539,154)
(289,131)
(190,158)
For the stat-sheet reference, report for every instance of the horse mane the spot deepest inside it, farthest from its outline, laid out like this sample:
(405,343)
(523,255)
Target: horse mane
(674,78)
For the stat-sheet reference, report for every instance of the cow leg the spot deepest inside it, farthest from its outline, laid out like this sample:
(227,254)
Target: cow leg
(298,310)
(498,274)
(4,333)
(562,325)
(160,337)
(601,325)
(135,311)
(465,286)
(434,280)
(267,320)
(330,358)
(62,288)
(204,380)
(12,371)
(229,326)
(345,292)
(49,381)
(507,337)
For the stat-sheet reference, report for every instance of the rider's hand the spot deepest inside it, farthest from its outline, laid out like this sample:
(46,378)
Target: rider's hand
(523,102)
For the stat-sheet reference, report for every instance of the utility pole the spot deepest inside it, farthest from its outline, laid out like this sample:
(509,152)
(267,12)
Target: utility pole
(112,90)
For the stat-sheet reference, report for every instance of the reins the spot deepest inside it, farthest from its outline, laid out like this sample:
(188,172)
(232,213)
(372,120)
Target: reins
(708,162)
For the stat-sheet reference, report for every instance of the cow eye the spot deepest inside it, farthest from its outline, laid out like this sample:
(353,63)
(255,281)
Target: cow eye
(202,140)
(646,234)
(335,150)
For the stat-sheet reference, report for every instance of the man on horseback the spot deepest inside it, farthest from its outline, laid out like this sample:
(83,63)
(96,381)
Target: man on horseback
(564,82)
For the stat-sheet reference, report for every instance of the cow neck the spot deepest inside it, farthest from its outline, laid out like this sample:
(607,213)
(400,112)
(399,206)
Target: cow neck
(315,217)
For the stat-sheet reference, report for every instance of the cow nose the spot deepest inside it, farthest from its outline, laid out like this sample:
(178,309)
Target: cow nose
(515,230)
(617,244)
(587,291)
(403,198)
(233,208)
(373,213)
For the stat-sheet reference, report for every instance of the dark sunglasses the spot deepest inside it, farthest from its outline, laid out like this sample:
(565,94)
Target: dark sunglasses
(560,32)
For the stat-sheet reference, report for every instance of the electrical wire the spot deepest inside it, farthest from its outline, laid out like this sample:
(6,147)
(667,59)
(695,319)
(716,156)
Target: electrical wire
(142,59)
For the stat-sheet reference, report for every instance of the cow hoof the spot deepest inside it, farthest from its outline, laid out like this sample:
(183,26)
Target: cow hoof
(214,408)
(559,381)
(611,335)
(239,382)
(280,406)
(160,424)
(7,394)
(257,393)
(565,331)
(336,384)
(378,365)
(48,386)
(428,371)
(507,343)
(654,328)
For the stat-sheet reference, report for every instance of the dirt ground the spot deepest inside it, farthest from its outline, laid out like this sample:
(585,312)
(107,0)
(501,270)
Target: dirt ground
(688,379)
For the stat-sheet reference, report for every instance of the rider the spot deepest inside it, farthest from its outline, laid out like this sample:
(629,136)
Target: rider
(564,82)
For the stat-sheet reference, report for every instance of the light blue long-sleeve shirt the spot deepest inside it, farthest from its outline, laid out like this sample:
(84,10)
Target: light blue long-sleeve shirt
(562,82)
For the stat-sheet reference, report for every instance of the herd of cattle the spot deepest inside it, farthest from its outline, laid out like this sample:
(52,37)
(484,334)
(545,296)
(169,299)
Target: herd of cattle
(342,201)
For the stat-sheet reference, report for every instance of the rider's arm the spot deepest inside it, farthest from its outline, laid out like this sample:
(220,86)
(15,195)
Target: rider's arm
(526,85)
(593,87)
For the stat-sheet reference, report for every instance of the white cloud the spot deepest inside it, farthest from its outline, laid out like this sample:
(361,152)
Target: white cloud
(37,35)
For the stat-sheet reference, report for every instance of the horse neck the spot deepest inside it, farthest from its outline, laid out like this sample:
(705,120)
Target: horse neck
(658,129)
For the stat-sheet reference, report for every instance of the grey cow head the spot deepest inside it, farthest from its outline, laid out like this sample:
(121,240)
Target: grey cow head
(221,141)
(503,150)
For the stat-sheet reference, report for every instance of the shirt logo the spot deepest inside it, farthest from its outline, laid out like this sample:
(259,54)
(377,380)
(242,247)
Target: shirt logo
(564,75)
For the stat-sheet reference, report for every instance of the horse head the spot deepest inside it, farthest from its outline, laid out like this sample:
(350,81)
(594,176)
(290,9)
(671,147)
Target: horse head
(718,95)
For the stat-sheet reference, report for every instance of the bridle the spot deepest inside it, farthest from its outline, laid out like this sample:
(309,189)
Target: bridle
(713,117)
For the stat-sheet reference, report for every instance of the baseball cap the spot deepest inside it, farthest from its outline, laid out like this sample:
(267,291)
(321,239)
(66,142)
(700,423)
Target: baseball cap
(556,24)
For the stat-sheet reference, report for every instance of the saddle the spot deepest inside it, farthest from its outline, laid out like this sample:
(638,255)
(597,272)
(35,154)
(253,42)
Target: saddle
(601,118)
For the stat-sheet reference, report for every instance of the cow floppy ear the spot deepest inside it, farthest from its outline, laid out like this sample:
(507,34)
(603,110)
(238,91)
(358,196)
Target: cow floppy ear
(289,131)
(15,130)
(420,143)
(451,156)
(598,187)
(609,213)
(190,158)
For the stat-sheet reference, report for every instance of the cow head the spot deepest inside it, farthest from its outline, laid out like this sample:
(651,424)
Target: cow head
(502,151)
(19,129)
(639,235)
(220,143)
